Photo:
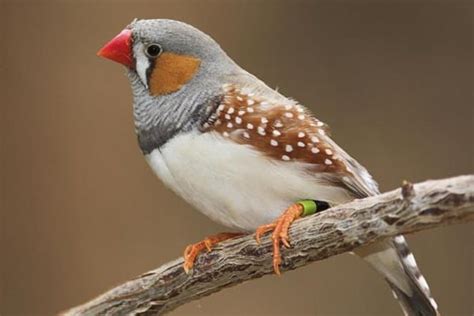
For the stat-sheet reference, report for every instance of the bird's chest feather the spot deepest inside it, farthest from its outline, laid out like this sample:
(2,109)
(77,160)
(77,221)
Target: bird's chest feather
(234,184)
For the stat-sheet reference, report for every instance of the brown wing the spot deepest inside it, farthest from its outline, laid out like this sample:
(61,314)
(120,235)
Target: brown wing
(286,131)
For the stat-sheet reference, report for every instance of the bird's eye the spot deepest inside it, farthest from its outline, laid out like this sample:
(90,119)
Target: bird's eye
(153,50)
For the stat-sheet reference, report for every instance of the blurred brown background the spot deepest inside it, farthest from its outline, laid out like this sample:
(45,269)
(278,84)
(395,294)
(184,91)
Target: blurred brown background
(81,211)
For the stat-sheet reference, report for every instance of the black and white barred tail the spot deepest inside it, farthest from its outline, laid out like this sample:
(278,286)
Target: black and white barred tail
(394,260)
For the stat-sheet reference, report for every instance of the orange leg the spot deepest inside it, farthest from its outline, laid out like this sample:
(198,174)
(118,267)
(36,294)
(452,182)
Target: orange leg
(193,250)
(280,232)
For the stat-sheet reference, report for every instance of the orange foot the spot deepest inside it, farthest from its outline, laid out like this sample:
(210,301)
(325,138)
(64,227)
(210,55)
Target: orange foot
(193,250)
(280,232)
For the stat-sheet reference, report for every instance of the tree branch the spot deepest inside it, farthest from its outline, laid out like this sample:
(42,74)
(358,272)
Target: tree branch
(337,230)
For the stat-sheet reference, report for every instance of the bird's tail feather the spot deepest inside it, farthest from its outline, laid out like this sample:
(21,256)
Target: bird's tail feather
(397,264)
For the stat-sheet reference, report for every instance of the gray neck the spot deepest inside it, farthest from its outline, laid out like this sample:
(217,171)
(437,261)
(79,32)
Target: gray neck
(158,119)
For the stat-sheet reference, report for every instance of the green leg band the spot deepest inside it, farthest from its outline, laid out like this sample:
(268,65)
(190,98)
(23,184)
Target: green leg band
(309,207)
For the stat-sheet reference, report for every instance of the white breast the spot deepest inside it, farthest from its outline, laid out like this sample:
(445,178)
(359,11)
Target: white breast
(233,184)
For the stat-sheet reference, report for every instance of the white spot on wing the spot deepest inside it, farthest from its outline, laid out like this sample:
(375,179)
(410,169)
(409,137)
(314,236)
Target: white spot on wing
(264,104)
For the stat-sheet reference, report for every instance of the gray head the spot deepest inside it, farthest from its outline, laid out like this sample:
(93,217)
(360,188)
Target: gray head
(169,54)
(176,73)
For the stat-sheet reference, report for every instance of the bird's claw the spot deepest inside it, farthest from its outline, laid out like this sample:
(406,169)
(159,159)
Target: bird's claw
(192,251)
(280,232)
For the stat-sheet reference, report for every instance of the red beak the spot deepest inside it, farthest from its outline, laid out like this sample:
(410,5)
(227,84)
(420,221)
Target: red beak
(119,49)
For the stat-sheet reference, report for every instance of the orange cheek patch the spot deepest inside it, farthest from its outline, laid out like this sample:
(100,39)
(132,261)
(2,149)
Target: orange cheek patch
(171,72)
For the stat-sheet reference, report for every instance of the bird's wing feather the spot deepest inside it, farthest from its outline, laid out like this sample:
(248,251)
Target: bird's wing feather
(285,131)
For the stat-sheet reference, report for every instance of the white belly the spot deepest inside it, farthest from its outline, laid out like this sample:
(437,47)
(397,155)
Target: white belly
(233,184)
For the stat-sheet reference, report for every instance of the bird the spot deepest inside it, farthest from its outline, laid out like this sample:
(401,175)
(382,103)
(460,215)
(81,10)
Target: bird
(242,153)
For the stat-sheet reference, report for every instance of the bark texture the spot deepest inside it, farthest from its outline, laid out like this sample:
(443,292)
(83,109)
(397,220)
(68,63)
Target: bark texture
(408,209)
